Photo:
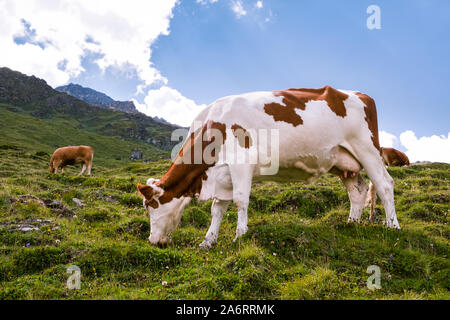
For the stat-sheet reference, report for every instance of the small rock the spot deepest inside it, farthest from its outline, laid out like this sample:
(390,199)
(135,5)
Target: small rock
(28,228)
(13,200)
(52,204)
(78,202)
(136,155)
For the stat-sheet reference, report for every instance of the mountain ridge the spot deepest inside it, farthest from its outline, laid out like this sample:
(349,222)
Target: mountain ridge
(96,98)
(33,96)
(100,99)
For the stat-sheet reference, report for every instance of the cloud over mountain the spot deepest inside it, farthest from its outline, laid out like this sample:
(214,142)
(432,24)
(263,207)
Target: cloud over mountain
(49,39)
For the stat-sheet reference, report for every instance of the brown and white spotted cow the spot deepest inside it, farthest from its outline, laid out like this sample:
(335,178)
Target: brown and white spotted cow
(392,158)
(70,156)
(307,131)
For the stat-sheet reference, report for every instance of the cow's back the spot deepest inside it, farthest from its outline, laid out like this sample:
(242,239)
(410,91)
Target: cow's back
(309,123)
(73,152)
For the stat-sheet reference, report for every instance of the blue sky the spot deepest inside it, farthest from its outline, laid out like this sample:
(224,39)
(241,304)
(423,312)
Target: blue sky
(214,48)
(405,65)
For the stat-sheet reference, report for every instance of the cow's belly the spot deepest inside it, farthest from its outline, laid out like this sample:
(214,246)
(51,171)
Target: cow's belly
(218,184)
(308,168)
(71,162)
(286,174)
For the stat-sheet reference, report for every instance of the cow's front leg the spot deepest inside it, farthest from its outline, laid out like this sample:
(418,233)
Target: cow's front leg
(218,209)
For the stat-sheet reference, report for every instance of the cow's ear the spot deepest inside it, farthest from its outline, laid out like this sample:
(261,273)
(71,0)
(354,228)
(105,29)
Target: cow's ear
(146,191)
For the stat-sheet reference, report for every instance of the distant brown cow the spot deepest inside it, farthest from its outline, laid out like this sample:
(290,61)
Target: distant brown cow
(392,158)
(70,156)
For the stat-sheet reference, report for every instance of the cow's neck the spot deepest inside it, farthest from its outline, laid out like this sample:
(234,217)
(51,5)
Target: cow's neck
(182,180)
(185,176)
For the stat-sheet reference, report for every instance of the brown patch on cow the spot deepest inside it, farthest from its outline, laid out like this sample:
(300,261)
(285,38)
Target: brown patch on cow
(244,138)
(148,193)
(370,110)
(394,158)
(297,99)
(71,155)
(185,177)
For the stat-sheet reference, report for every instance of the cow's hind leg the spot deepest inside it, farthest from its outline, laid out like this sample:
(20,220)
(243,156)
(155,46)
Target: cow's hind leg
(89,164)
(218,209)
(241,177)
(89,167)
(357,192)
(383,182)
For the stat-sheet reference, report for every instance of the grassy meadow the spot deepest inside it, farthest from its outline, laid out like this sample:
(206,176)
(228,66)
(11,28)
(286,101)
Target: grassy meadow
(299,244)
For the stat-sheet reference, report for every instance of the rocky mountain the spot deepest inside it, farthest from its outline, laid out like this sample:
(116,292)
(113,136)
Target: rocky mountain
(34,97)
(16,88)
(96,98)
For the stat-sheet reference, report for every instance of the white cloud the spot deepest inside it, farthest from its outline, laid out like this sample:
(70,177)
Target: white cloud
(65,31)
(171,105)
(387,139)
(433,148)
(259,4)
(204,2)
(238,8)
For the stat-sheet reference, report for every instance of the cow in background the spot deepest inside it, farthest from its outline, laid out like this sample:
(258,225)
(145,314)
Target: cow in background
(392,158)
(72,155)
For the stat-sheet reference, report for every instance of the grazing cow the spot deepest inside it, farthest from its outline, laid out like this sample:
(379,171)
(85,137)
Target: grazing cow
(312,131)
(70,156)
(392,158)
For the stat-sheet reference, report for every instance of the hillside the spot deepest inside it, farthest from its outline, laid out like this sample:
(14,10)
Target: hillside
(43,136)
(299,245)
(31,96)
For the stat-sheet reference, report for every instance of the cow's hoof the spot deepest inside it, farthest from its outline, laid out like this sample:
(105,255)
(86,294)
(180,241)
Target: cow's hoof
(239,232)
(392,225)
(206,244)
(353,220)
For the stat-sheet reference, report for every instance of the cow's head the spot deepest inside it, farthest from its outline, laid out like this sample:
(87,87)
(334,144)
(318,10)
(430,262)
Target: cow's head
(164,215)
(50,168)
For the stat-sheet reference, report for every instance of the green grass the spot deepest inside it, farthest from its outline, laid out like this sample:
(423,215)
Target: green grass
(299,245)
(40,137)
